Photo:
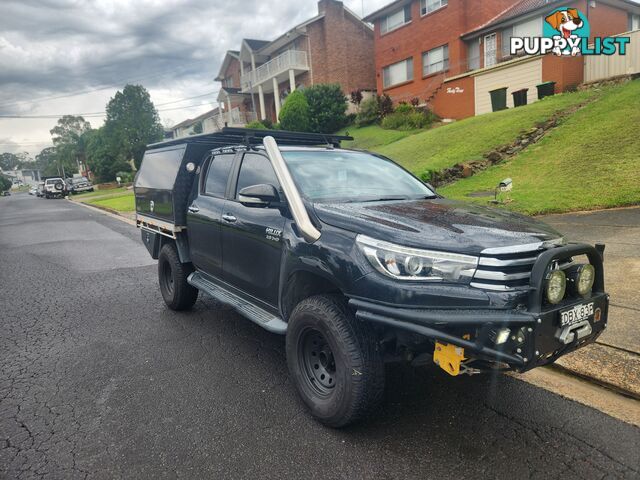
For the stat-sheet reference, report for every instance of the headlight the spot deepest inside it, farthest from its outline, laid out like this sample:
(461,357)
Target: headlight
(405,263)
(585,279)
(556,286)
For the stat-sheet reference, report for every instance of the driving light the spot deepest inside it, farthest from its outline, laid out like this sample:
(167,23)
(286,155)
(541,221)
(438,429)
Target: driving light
(585,279)
(556,286)
(502,336)
(404,263)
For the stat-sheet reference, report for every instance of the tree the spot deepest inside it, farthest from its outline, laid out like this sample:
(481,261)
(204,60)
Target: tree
(132,123)
(294,115)
(9,161)
(69,143)
(5,183)
(47,162)
(327,107)
(103,157)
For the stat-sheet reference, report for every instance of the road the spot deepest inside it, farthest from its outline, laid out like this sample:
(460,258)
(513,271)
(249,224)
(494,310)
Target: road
(100,380)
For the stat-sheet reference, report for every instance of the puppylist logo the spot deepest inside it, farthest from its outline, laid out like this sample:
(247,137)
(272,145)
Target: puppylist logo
(566,31)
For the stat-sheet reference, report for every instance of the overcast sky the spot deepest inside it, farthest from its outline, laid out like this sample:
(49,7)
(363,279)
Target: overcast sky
(51,50)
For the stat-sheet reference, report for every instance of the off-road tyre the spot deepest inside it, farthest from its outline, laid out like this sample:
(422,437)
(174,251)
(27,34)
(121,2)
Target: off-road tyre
(349,389)
(172,276)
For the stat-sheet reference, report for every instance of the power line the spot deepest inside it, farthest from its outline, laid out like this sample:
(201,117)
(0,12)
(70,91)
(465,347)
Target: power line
(91,114)
(188,98)
(97,89)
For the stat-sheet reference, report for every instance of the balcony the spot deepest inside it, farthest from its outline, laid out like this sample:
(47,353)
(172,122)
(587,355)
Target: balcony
(295,60)
(231,118)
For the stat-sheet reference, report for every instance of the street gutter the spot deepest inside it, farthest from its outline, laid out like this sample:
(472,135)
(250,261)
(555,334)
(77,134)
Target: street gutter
(105,211)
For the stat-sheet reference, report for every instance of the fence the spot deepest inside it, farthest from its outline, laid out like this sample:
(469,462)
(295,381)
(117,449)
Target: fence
(599,67)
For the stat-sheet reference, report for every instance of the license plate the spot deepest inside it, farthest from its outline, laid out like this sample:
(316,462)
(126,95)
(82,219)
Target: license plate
(576,314)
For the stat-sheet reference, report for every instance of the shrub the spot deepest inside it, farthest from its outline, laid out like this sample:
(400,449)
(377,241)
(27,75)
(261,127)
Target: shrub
(294,115)
(369,112)
(385,105)
(411,120)
(415,101)
(125,177)
(327,107)
(404,108)
(256,125)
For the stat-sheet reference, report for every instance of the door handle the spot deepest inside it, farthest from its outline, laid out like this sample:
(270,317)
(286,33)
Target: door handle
(193,208)
(227,217)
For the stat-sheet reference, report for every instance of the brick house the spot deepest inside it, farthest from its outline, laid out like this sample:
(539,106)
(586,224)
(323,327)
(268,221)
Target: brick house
(455,81)
(418,44)
(258,77)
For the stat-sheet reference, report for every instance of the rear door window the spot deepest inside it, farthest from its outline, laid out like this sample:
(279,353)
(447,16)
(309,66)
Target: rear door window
(218,175)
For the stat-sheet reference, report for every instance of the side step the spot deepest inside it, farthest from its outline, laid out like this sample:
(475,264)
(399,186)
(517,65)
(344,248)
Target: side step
(254,313)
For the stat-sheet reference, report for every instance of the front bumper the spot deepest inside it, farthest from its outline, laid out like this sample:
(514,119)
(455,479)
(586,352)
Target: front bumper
(536,336)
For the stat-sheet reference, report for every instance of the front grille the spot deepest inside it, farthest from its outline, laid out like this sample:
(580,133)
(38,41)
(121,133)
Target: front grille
(509,268)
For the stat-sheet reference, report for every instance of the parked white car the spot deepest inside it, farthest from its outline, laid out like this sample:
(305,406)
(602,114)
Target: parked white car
(55,188)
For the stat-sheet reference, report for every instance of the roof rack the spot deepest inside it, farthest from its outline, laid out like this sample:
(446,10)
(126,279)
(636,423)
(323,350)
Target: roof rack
(246,136)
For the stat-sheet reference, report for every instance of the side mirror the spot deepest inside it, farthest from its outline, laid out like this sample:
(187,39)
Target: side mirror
(258,195)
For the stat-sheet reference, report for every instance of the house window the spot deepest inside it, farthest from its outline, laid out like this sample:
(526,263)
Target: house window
(473,55)
(530,28)
(490,57)
(435,60)
(395,20)
(634,22)
(397,73)
(428,6)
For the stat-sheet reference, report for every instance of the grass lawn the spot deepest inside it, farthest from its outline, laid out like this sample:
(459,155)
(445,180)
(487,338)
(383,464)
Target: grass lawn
(469,139)
(124,202)
(99,193)
(592,160)
(372,136)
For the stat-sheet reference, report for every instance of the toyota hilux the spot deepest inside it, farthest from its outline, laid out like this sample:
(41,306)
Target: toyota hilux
(358,262)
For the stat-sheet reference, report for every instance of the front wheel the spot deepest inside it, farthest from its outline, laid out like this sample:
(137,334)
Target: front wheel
(172,275)
(334,361)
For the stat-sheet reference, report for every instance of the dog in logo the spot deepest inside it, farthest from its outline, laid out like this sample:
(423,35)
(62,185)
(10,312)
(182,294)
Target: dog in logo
(566,22)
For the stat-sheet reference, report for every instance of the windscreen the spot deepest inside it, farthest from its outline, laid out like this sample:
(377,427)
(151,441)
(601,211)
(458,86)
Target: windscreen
(160,168)
(330,175)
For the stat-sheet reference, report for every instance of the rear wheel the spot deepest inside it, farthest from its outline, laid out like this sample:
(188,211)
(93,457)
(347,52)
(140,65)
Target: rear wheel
(334,361)
(172,275)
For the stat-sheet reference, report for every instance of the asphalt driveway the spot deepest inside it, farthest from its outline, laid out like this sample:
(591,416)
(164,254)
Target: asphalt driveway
(99,380)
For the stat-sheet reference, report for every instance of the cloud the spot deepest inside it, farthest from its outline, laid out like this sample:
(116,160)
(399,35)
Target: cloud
(55,48)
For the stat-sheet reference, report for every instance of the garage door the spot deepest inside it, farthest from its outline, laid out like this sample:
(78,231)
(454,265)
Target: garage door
(515,77)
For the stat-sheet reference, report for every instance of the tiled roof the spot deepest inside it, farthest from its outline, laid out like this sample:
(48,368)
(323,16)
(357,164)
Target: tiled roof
(520,8)
(385,10)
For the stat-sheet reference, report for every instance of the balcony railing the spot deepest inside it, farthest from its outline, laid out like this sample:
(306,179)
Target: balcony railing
(232,118)
(291,59)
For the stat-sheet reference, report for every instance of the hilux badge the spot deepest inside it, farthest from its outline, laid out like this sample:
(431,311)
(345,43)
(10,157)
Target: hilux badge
(273,234)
